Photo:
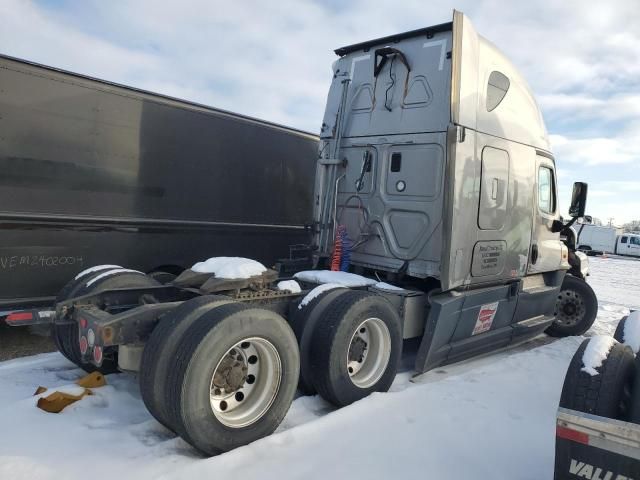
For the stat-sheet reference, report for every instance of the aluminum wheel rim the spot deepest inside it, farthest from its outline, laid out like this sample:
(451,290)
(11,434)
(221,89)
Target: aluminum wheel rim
(369,352)
(570,308)
(245,382)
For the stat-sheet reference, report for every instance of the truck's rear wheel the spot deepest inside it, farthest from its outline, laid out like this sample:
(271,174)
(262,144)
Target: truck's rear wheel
(58,332)
(233,379)
(576,308)
(303,321)
(160,351)
(66,335)
(608,393)
(355,348)
(634,406)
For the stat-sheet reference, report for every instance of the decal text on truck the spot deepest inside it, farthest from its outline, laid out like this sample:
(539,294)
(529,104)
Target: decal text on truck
(584,470)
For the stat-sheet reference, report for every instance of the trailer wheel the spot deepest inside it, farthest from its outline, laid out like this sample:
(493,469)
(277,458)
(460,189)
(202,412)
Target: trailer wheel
(66,335)
(355,348)
(160,351)
(303,321)
(608,393)
(576,308)
(634,407)
(233,379)
(634,343)
(57,332)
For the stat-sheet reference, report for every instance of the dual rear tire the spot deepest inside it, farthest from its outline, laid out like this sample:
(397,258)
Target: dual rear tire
(226,376)
(350,344)
(66,335)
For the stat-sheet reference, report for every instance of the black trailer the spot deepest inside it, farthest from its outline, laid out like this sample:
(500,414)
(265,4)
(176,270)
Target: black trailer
(98,173)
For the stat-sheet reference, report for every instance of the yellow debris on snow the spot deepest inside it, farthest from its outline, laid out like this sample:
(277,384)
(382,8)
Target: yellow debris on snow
(57,401)
(93,380)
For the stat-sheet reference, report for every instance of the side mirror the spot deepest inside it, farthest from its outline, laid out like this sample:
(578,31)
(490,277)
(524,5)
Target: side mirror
(578,200)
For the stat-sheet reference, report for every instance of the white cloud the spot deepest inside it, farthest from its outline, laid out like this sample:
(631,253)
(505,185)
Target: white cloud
(272,59)
(621,148)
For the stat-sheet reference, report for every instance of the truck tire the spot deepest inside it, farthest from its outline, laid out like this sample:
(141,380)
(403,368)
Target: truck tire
(66,335)
(57,333)
(619,333)
(303,321)
(634,407)
(576,308)
(60,333)
(608,393)
(160,350)
(233,379)
(355,347)
(162,277)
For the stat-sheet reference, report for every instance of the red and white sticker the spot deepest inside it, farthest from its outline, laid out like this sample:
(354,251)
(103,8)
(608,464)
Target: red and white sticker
(485,318)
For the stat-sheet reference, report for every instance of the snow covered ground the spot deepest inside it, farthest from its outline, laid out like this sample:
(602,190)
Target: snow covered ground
(492,417)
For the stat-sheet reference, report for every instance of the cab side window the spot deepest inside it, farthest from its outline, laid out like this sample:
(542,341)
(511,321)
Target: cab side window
(623,240)
(546,192)
(634,240)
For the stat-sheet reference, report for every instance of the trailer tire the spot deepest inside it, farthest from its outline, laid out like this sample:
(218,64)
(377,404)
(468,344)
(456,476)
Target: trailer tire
(608,393)
(199,407)
(576,308)
(355,347)
(619,333)
(303,321)
(634,407)
(160,350)
(66,335)
(58,333)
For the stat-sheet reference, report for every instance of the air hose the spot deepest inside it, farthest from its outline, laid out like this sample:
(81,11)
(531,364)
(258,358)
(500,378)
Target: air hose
(341,250)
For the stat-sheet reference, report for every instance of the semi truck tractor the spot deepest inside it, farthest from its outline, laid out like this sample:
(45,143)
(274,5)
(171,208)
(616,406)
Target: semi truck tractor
(435,217)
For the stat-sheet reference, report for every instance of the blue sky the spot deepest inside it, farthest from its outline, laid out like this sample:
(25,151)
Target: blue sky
(272,60)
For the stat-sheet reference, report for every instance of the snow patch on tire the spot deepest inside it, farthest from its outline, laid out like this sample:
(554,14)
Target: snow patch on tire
(317,291)
(108,273)
(596,353)
(631,334)
(97,268)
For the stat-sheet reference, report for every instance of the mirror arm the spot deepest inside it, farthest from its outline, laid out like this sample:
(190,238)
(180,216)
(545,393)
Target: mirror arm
(558,225)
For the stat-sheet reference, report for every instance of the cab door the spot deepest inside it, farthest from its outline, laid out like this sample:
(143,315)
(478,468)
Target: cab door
(633,247)
(545,253)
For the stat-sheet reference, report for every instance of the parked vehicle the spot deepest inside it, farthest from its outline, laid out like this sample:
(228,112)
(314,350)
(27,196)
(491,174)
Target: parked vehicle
(598,422)
(628,244)
(596,239)
(435,175)
(99,173)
